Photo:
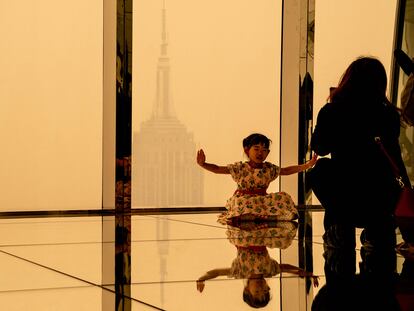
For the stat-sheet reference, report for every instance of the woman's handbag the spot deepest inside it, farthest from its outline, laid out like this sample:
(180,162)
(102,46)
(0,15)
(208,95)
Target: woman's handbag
(405,204)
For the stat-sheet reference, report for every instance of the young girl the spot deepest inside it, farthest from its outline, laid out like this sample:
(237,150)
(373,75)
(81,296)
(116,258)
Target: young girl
(250,201)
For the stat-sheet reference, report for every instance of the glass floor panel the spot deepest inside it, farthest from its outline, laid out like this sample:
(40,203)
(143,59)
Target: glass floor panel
(58,263)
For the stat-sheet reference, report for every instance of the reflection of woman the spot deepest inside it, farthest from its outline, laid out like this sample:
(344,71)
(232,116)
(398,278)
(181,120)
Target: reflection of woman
(362,191)
(253,262)
(405,285)
(370,289)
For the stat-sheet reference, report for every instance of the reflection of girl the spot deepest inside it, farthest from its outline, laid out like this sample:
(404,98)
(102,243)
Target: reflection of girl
(279,234)
(253,262)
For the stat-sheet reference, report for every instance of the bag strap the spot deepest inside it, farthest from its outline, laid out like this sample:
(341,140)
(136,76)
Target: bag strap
(394,166)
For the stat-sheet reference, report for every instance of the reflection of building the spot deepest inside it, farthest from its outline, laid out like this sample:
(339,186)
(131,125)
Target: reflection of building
(164,168)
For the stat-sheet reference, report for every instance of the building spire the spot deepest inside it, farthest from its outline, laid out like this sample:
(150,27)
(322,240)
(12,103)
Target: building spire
(164,42)
(163,105)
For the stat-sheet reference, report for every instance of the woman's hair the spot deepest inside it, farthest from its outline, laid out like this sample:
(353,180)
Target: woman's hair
(255,302)
(256,139)
(365,79)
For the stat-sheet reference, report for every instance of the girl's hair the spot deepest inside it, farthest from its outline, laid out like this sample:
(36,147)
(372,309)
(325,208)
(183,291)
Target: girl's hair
(255,302)
(365,79)
(256,139)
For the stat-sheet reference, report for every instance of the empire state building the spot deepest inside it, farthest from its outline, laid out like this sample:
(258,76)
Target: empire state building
(164,170)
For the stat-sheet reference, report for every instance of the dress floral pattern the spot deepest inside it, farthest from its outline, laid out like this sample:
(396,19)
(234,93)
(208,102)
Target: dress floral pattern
(251,261)
(279,235)
(252,242)
(278,205)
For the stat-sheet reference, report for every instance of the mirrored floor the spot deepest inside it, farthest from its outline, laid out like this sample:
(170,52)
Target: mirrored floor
(185,262)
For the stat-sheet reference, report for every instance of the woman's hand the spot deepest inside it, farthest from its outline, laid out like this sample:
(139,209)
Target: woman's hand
(201,157)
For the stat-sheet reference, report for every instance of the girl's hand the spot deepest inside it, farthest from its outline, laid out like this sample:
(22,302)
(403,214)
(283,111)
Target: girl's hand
(312,161)
(200,285)
(201,157)
(315,280)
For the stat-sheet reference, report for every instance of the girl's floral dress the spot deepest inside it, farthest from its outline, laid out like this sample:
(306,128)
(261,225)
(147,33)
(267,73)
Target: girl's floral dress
(253,261)
(246,200)
(252,243)
(279,235)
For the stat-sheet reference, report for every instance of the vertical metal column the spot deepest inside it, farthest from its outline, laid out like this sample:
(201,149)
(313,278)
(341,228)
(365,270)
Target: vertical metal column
(108,152)
(397,44)
(116,171)
(306,76)
(306,73)
(296,127)
(123,155)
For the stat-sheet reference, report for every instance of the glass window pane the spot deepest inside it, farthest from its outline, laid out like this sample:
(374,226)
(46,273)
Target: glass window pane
(206,75)
(51,111)
(346,30)
(407,133)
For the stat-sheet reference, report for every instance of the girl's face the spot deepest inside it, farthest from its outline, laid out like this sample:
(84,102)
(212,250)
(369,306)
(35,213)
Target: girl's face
(257,153)
(258,288)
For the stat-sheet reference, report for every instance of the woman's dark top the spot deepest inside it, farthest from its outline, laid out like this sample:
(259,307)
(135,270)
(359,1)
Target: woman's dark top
(363,177)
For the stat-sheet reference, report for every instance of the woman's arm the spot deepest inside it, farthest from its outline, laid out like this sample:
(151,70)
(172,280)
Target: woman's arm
(201,160)
(298,168)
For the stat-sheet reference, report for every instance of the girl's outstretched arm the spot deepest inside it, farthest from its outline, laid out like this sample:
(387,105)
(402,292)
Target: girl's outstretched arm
(201,160)
(300,272)
(210,275)
(298,168)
